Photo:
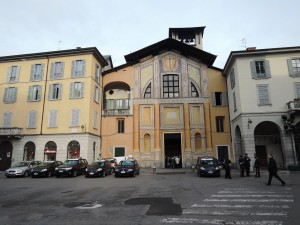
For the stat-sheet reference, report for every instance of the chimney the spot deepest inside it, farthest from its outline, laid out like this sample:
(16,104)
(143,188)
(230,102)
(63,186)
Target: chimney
(251,49)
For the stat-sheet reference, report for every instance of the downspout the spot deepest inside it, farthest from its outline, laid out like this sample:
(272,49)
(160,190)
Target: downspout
(44,101)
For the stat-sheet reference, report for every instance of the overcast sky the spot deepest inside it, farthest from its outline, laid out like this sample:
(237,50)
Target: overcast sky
(119,27)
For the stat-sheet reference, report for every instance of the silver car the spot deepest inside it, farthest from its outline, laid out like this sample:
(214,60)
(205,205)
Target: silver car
(21,169)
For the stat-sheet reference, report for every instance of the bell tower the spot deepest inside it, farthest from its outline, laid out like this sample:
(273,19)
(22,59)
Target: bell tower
(189,35)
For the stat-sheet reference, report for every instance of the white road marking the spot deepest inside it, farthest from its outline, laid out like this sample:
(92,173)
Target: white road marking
(220,222)
(247,192)
(251,196)
(227,213)
(240,206)
(248,200)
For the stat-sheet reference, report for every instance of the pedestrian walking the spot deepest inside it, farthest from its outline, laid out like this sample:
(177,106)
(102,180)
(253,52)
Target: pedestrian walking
(257,166)
(247,164)
(227,167)
(173,162)
(242,166)
(272,168)
(177,161)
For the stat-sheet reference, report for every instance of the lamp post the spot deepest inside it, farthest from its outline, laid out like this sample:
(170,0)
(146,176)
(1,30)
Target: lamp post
(290,127)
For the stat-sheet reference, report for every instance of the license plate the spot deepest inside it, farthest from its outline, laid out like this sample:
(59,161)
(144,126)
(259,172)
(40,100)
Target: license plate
(122,171)
(210,171)
(35,174)
(91,173)
(61,171)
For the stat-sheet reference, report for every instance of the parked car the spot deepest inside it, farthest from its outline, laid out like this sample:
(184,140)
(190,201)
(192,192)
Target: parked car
(208,166)
(128,167)
(99,168)
(21,169)
(113,163)
(71,167)
(45,169)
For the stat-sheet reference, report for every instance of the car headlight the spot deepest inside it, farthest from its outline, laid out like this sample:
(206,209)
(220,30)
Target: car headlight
(100,169)
(19,171)
(130,170)
(217,168)
(44,170)
(86,169)
(56,168)
(202,168)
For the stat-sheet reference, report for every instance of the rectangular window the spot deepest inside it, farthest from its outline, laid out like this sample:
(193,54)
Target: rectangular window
(234,101)
(32,119)
(219,98)
(294,67)
(13,74)
(96,120)
(97,74)
(57,70)
(10,95)
(52,118)
(75,115)
(119,151)
(78,68)
(232,79)
(121,127)
(220,124)
(76,90)
(297,90)
(96,94)
(260,69)
(170,86)
(34,93)
(7,116)
(55,91)
(37,71)
(263,95)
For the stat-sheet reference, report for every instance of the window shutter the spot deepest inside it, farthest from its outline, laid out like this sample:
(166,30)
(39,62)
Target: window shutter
(7,119)
(53,118)
(82,90)
(83,68)
(267,68)
(39,92)
(73,69)
(5,95)
(52,71)
(30,94)
(62,69)
(224,98)
(42,72)
(50,93)
(95,119)
(9,74)
(73,115)
(253,70)
(59,91)
(71,95)
(291,68)
(263,95)
(213,98)
(297,87)
(32,72)
(15,93)
(32,119)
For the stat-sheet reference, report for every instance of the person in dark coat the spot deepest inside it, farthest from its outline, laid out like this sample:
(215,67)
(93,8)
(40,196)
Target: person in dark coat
(227,167)
(247,164)
(272,168)
(242,166)
(257,166)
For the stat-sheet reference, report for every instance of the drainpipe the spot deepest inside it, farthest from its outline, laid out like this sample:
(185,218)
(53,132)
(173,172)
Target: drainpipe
(46,82)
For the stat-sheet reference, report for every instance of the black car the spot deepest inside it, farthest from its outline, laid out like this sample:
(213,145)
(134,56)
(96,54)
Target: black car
(128,167)
(99,168)
(71,167)
(45,169)
(208,166)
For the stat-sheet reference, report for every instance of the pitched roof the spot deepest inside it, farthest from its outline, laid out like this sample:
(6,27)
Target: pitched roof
(170,44)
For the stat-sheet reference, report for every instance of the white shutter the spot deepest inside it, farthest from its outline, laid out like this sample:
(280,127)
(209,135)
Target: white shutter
(7,119)
(30,90)
(32,119)
(213,98)
(82,90)
(71,95)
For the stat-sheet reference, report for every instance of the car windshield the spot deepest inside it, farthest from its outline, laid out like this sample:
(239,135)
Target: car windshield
(21,164)
(208,162)
(127,163)
(46,163)
(71,162)
(97,164)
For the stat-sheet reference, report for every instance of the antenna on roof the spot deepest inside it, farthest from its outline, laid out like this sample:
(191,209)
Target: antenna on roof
(58,47)
(243,42)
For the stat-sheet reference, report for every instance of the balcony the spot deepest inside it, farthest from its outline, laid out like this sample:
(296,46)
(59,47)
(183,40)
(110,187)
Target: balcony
(11,132)
(116,112)
(294,105)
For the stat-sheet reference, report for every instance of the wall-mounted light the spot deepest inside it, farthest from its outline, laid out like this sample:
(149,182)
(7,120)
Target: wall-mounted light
(249,122)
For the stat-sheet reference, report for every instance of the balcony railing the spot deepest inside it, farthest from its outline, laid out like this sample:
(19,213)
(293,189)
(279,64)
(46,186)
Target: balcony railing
(11,132)
(294,105)
(116,112)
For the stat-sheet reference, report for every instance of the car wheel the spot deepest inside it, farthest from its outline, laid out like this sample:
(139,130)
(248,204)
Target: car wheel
(57,175)
(49,174)
(133,175)
(103,174)
(75,173)
(198,173)
(26,173)
(116,175)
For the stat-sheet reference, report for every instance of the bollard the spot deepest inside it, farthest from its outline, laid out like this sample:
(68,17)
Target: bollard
(154,169)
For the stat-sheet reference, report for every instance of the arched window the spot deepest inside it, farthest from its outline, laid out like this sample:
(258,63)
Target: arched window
(73,150)
(198,143)
(194,92)
(50,151)
(147,143)
(29,151)
(147,93)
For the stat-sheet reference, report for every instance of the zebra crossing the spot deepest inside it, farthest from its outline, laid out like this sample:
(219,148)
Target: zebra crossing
(238,206)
